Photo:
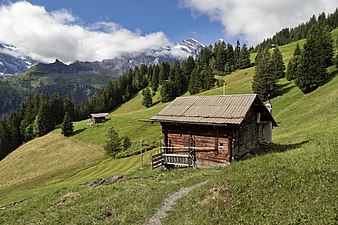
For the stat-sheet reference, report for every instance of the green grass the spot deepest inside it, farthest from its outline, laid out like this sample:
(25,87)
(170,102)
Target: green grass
(45,160)
(287,50)
(135,104)
(128,202)
(126,124)
(42,162)
(294,187)
(295,184)
(306,117)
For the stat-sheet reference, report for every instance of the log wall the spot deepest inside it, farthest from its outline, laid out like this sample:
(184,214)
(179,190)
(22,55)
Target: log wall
(207,143)
(248,134)
(212,142)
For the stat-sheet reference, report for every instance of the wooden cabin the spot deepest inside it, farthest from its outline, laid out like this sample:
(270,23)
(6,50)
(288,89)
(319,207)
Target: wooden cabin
(98,117)
(217,129)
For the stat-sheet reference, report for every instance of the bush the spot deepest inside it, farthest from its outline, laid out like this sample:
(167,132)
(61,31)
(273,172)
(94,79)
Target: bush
(126,142)
(113,145)
(67,126)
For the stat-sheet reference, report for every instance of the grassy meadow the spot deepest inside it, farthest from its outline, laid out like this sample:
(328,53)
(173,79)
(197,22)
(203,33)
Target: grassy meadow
(292,182)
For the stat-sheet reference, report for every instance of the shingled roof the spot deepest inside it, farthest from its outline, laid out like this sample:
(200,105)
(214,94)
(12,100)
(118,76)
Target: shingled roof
(222,110)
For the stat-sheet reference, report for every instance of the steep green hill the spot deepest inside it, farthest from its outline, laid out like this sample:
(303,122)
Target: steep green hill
(294,184)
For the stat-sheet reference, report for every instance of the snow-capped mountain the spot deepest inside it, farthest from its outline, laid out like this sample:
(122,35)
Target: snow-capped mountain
(170,53)
(12,61)
(190,46)
(78,79)
(178,51)
(9,64)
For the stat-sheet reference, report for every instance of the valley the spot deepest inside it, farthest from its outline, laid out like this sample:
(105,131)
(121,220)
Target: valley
(80,80)
(78,100)
(293,182)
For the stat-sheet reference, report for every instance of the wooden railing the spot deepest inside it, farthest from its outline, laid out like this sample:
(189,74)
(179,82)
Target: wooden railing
(177,160)
(156,160)
(171,159)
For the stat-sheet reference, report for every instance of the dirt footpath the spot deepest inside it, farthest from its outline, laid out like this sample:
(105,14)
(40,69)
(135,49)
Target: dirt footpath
(169,202)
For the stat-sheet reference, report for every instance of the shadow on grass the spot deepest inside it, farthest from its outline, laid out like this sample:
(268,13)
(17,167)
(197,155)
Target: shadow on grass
(276,148)
(331,76)
(285,88)
(78,131)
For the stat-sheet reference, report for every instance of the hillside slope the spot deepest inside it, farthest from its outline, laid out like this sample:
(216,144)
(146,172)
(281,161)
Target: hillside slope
(296,184)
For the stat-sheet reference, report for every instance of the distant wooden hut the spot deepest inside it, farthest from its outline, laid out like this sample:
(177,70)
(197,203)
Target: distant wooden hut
(98,117)
(214,128)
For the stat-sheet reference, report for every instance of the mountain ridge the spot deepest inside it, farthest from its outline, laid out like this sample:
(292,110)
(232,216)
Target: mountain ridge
(11,65)
(12,61)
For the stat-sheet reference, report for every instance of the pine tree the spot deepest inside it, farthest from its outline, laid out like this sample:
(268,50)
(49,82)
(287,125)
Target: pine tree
(67,127)
(244,57)
(28,132)
(188,66)
(336,58)
(42,123)
(317,55)
(195,83)
(207,78)
(292,68)
(137,80)
(150,72)
(56,107)
(164,72)
(168,91)
(147,99)
(155,78)
(143,76)
(126,143)
(69,107)
(179,79)
(113,144)
(230,66)
(28,117)
(264,80)
(14,129)
(212,63)
(5,144)
(278,64)
(237,55)
(205,55)
(221,56)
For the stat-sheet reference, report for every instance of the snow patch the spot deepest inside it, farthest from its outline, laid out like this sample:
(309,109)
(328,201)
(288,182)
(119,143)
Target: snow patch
(183,48)
(10,47)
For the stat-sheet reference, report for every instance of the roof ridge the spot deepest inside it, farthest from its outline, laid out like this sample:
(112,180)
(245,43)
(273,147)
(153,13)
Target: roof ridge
(208,96)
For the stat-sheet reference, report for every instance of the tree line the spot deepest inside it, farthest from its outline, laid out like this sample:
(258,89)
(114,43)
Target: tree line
(37,115)
(192,74)
(41,113)
(307,67)
(269,68)
(288,35)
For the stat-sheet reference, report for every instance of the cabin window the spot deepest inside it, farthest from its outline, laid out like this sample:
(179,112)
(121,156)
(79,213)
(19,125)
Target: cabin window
(221,147)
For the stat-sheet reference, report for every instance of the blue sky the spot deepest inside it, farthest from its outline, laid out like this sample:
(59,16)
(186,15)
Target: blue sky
(90,30)
(149,16)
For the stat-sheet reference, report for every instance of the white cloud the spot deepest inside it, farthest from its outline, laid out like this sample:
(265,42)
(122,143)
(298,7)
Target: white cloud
(49,35)
(260,19)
